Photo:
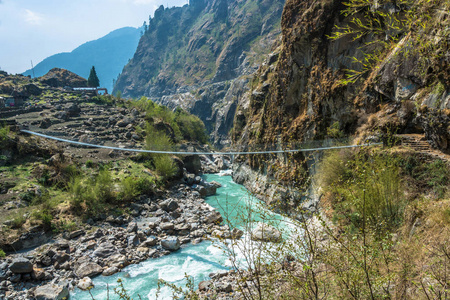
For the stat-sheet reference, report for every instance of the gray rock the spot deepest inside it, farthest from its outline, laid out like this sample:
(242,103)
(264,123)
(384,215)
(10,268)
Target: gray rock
(85,283)
(236,233)
(204,285)
(21,265)
(51,292)
(117,260)
(223,287)
(166,226)
(76,233)
(88,269)
(105,250)
(189,179)
(171,243)
(132,240)
(150,241)
(132,227)
(214,218)
(169,205)
(266,233)
(110,271)
(72,109)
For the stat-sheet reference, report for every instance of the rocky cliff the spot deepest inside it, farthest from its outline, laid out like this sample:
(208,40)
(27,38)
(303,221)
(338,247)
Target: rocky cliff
(305,93)
(191,56)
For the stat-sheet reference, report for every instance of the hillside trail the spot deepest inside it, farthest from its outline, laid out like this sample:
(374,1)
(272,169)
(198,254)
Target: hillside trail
(418,143)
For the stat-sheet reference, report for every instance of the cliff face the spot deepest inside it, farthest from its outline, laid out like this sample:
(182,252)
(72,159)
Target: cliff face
(206,41)
(300,94)
(191,57)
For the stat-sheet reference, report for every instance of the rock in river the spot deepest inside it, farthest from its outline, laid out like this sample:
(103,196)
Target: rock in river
(171,243)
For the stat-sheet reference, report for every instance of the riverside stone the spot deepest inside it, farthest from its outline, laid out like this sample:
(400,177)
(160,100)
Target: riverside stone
(166,226)
(171,243)
(51,292)
(85,283)
(132,227)
(150,241)
(169,205)
(105,250)
(88,269)
(214,218)
(110,271)
(21,265)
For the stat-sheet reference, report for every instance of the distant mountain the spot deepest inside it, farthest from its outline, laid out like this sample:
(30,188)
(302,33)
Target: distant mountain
(108,54)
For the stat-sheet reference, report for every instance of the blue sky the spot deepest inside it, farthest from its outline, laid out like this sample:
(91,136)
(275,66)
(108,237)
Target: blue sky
(36,29)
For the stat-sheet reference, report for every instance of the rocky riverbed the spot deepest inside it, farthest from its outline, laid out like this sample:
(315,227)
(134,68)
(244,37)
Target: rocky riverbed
(155,228)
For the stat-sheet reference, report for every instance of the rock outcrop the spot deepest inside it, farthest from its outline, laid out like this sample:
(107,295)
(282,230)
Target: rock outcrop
(57,77)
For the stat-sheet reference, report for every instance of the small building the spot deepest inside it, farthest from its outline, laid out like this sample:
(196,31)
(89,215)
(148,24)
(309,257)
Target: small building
(94,90)
(8,101)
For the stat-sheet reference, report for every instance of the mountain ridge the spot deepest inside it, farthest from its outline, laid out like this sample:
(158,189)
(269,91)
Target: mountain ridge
(102,53)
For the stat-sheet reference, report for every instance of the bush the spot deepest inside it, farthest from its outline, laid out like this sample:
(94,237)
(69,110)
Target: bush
(2,253)
(191,127)
(128,189)
(165,166)
(365,188)
(4,133)
(91,193)
(103,100)
(18,221)
(45,216)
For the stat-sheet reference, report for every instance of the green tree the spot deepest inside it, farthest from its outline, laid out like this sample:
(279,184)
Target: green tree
(93,80)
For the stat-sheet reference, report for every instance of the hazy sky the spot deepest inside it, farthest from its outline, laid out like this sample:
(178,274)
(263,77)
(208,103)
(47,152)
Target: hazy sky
(36,29)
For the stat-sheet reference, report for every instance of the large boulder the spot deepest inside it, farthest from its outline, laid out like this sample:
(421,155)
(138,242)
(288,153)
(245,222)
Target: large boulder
(171,243)
(214,218)
(192,164)
(105,250)
(21,265)
(51,292)
(266,233)
(72,109)
(169,205)
(85,283)
(88,269)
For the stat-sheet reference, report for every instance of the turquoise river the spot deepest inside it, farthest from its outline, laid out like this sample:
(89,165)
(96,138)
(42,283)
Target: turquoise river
(197,261)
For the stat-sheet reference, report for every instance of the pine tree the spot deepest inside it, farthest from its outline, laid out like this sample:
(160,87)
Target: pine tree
(93,80)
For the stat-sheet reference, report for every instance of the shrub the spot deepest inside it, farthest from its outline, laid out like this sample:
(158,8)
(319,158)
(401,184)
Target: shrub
(92,193)
(45,216)
(365,188)
(103,100)
(90,164)
(18,221)
(165,166)
(437,176)
(2,253)
(128,189)
(4,133)
(191,127)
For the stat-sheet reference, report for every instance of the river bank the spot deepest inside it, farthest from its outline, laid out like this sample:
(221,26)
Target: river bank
(162,225)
